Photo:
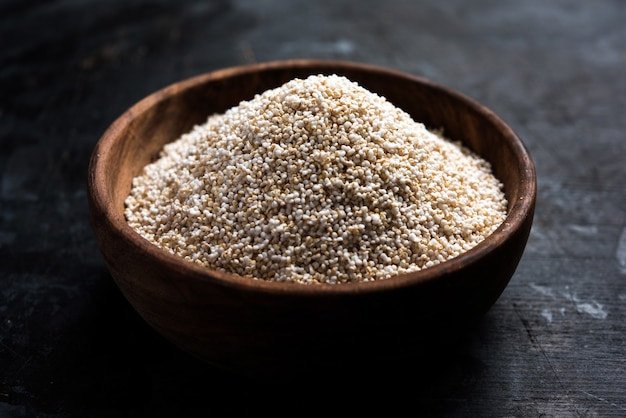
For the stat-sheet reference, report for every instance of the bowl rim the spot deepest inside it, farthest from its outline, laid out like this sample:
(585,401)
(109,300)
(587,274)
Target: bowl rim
(98,193)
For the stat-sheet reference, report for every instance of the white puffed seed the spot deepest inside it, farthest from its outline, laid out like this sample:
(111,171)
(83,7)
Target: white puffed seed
(317,181)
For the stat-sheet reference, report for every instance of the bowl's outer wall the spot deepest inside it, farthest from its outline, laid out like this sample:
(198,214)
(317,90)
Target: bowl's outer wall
(256,329)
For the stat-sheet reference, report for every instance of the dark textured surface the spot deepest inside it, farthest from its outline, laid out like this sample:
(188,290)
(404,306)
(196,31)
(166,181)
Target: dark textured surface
(553,345)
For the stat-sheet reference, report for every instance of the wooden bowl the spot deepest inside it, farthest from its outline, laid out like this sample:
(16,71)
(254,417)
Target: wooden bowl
(272,329)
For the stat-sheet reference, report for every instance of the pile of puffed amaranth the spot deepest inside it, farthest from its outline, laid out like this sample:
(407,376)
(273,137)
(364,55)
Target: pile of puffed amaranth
(317,181)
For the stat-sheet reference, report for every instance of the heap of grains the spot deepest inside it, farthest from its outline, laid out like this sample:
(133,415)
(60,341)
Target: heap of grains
(316,181)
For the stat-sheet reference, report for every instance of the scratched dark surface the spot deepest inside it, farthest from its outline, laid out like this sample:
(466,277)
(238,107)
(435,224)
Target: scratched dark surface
(554,343)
